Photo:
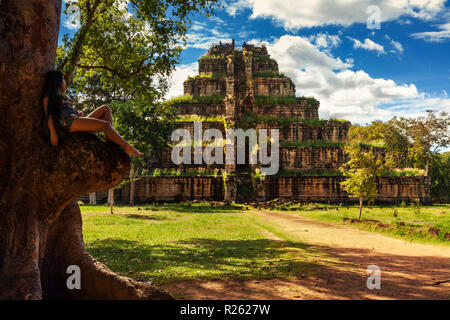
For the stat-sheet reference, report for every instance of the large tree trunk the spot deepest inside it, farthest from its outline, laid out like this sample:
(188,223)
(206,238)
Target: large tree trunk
(40,222)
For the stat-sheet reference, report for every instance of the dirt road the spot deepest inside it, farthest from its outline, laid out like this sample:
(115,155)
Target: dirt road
(408,270)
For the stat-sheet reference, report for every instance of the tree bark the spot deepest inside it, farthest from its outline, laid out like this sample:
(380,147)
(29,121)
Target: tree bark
(132,185)
(40,222)
(92,198)
(111,200)
(360,207)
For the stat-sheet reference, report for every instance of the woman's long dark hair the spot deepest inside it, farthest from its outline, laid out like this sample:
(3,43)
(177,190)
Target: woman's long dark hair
(53,89)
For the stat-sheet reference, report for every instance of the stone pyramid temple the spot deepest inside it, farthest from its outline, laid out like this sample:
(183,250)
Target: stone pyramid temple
(243,88)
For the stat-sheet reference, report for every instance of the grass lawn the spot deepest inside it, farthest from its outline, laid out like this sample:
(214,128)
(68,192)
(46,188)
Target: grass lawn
(168,242)
(422,217)
(182,241)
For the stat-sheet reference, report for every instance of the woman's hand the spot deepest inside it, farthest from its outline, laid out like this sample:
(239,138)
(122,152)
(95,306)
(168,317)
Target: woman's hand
(80,113)
(54,139)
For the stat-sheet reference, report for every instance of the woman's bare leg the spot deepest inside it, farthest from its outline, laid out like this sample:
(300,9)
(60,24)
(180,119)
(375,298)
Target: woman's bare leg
(103,113)
(95,125)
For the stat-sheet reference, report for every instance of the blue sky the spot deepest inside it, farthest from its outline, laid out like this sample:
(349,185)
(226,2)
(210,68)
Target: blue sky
(326,47)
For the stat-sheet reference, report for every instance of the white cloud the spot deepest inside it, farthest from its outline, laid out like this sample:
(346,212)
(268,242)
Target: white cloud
(434,36)
(368,45)
(235,7)
(324,40)
(205,41)
(295,14)
(71,20)
(180,74)
(343,93)
(397,45)
(203,35)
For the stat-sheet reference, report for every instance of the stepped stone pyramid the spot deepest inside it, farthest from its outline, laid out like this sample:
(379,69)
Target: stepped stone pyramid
(243,88)
(239,85)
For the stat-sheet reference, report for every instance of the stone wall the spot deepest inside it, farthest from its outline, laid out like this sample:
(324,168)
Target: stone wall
(212,65)
(314,189)
(273,87)
(150,189)
(332,131)
(300,110)
(200,109)
(189,126)
(327,189)
(264,65)
(312,158)
(164,160)
(205,87)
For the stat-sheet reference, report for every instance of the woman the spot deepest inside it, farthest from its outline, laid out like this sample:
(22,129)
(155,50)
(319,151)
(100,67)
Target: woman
(58,107)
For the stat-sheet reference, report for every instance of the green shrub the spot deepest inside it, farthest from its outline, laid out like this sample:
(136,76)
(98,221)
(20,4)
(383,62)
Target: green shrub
(251,117)
(192,118)
(189,99)
(207,76)
(405,172)
(268,74)
(308,173)
(185,172)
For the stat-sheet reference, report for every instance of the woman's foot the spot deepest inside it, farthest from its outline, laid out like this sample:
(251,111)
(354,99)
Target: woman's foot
(132,150)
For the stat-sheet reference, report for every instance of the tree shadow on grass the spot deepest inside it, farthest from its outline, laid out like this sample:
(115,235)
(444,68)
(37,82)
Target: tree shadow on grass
(200,208)
(146,217)
(289,264)
(205,258)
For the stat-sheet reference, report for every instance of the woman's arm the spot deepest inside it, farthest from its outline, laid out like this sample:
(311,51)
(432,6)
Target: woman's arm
(51,126)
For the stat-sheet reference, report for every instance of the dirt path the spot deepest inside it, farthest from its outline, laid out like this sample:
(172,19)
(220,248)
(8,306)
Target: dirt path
(408,270)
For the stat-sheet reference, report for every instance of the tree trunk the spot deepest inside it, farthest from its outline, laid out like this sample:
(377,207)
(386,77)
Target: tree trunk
(40,222)
(111,200)
(92,198)
(132,185)
(360,207)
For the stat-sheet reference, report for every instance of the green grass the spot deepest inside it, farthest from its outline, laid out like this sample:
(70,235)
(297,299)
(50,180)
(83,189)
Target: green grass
(189,99)
(263,58)
(184,241)
(430,216)
(276,100)
(207,76)
(268,74)
(252,118)
(185,172)
(168,242)
(325,144)
(213,57)
(405,172)
(307,173)
(192,118)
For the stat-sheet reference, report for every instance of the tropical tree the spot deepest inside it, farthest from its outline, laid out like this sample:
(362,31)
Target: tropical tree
(440,177)
(426,135)
(148,128)
(361,172)
(40,220)
(384,134)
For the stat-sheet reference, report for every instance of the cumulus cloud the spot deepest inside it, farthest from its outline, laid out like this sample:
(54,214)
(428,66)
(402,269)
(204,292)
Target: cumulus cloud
(398,47)
(180,74)
(204,34)
(434,36)
(342,92)
(367,45)
(324,40)
(295,14)
(235,7)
